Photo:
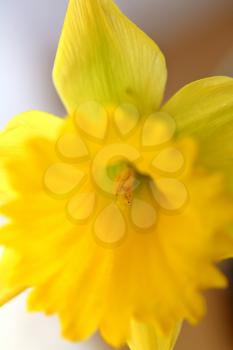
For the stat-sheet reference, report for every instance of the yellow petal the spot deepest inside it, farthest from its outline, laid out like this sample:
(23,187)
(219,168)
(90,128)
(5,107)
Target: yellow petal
(205,109)
(71,146)
(115,232)
(143,214)
(169,160)
(126,118)
(104,57)
(92,118)
(62,178)
(35,122)
(158,129)
(170,193)
(144,337)
(8,263)
(80,207)
(15,139)
(25,127)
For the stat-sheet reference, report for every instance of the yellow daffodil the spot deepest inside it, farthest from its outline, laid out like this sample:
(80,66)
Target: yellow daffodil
(117,215)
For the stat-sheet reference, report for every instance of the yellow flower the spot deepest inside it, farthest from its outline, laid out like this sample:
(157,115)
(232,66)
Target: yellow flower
(113,212)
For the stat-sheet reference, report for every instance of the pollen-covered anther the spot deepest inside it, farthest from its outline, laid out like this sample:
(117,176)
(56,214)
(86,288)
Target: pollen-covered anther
(125,184)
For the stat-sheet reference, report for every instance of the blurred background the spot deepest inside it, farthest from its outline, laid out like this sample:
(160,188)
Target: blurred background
(197,39)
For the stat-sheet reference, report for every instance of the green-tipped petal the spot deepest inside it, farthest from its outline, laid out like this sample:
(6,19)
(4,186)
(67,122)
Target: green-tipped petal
(103,57)
(144,337)
(204,109)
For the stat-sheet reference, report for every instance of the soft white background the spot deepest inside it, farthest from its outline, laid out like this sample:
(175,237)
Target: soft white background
(29,32)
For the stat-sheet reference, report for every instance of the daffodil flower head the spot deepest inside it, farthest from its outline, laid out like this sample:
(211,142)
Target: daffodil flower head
(113,211)
(121,165)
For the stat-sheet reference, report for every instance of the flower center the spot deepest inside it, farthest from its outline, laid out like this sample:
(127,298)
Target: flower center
(126,183)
